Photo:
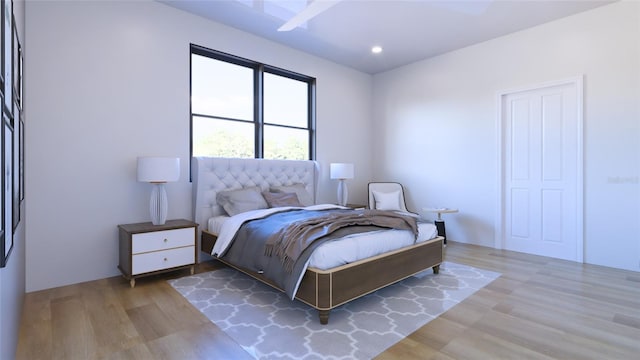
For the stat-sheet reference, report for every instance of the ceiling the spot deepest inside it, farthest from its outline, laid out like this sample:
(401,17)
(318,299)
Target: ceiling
(407,31)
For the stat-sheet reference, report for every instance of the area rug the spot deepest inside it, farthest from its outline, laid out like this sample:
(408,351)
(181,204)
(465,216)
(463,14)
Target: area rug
(268,325)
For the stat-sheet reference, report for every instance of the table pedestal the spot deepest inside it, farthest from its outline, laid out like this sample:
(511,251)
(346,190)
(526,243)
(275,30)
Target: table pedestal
(441,230)
(439,222)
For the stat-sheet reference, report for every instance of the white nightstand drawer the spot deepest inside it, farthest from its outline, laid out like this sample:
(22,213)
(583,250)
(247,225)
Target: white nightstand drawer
(162,240)
(160,260)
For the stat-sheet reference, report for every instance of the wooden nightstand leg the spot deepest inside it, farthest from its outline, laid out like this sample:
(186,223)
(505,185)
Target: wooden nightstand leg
(193,270)
(132,282)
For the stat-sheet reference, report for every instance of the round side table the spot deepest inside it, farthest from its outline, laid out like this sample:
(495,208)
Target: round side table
(439,222)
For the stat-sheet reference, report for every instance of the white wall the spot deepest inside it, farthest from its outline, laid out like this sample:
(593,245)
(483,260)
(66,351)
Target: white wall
(12,276)
(109,81)
(435,124)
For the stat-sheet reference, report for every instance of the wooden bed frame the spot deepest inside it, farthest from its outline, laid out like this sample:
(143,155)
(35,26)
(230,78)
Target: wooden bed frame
(321,289)
(327,289)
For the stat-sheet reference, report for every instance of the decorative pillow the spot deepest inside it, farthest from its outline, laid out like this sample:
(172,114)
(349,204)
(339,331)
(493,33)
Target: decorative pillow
(277,199)
(238,201)
(387,201)
(303,195)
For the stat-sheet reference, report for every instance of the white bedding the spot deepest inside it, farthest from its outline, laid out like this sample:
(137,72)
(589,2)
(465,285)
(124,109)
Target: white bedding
(332,253)
(361,246)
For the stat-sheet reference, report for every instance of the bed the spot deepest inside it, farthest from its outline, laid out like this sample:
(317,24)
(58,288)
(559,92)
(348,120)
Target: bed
(322,287)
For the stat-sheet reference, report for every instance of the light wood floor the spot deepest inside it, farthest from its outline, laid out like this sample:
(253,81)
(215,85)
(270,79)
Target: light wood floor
(539,308)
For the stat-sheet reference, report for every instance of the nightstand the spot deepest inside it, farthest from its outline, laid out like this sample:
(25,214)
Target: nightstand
(147,249)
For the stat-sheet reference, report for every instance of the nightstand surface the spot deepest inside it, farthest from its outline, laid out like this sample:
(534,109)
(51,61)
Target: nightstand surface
(149,227)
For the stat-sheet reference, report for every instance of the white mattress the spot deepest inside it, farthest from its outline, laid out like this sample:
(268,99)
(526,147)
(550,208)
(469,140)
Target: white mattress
(214,225)
(361,246)
(353,247)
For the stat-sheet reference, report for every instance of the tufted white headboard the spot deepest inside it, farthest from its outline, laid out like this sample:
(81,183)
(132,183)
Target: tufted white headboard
(211,175)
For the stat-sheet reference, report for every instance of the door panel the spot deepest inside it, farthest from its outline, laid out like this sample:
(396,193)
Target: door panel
(552,135)
(520,213)
(520,139)
(552,215)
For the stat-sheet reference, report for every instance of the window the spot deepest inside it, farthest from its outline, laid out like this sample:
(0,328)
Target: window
(241,108)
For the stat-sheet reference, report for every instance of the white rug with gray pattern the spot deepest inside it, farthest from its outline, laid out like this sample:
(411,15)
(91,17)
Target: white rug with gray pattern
(270,326)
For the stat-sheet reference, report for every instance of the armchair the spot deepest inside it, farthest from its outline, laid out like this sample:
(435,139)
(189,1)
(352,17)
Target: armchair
(388,196)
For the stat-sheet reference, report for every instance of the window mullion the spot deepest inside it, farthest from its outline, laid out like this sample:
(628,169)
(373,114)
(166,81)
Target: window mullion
(312,118)
(258,110)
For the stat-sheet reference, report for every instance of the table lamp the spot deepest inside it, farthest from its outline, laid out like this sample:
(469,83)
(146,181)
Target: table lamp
(342,171)
(158,171)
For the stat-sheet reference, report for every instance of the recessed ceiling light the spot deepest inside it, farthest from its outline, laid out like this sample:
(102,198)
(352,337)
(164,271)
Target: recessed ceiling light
(376,49)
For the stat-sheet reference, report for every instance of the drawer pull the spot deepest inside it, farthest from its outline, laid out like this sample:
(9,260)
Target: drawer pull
(165,240)
(165,259)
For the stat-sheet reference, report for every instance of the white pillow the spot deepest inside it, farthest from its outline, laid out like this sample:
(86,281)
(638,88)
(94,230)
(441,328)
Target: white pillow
(238,201)
(387,201)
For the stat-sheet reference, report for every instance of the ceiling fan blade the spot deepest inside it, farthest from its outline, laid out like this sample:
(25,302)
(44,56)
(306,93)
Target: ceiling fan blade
(307,14)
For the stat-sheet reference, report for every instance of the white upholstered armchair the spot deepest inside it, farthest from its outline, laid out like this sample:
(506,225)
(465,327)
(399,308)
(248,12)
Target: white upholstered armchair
(388,196)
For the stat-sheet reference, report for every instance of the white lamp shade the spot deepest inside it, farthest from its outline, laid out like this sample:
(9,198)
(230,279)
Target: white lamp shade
(341,171)
(158,169)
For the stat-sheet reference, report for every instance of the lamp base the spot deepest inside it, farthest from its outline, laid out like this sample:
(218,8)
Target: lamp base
(158,204)
(343,193)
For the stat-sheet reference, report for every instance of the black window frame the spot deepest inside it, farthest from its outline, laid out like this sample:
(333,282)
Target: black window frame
(259,69)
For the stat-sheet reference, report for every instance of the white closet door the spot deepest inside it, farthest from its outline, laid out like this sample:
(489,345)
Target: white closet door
(540,185)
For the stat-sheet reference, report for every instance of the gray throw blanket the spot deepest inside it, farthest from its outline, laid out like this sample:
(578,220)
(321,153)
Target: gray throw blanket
(289,242)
